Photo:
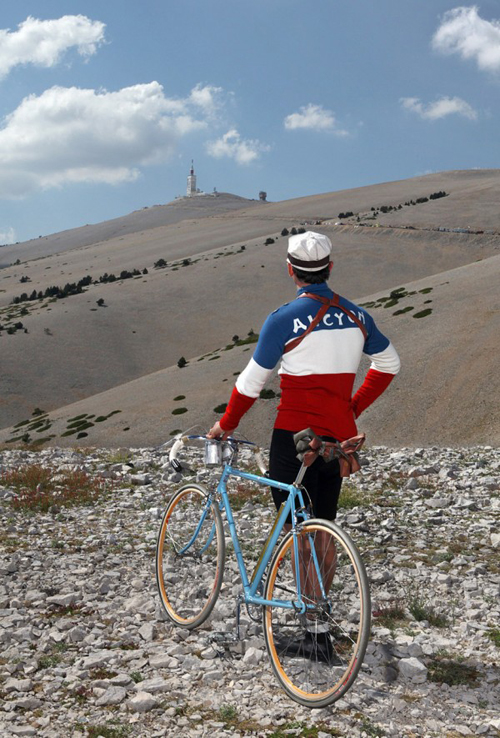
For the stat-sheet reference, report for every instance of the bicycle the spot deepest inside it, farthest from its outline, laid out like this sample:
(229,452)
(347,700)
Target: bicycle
(310,584)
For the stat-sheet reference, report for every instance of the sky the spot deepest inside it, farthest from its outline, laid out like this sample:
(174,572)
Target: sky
(103,105)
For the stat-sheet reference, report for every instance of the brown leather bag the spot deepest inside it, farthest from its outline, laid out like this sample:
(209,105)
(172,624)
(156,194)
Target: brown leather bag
(327,303)
(310,446)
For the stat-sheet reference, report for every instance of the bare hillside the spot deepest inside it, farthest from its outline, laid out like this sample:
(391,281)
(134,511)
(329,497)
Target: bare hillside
(448,392)
(184,208)
(218,282)
(472,198)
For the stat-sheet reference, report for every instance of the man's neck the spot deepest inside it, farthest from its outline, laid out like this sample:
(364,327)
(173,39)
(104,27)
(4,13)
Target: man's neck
(306,285)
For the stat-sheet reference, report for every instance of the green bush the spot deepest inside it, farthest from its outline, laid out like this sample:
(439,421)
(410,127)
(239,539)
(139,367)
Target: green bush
(179,411)
(445,670)
(421,610)
(77,429)
(494,636)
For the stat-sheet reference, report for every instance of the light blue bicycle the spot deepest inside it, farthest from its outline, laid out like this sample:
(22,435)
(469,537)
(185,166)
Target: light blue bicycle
(310,584)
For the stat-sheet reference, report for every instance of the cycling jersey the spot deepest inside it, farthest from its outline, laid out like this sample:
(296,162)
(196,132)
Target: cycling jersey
(317,376)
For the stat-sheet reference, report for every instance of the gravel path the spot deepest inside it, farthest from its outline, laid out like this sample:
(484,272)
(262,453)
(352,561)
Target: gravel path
(87,652)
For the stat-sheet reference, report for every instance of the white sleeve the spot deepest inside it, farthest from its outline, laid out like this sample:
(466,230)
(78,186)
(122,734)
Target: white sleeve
(387,361)
(252,379)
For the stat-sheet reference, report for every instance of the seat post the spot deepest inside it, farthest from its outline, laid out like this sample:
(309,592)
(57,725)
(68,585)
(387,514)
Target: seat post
(300,475)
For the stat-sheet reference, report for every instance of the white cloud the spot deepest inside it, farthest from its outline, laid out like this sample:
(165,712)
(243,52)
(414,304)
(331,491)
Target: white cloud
(8,236)
(207,98)
(439,109)
(77,135)
(43,42)
(233,146)
(313,118)
(464,32)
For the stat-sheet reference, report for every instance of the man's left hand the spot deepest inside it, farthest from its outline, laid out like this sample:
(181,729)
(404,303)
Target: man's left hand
(217,432)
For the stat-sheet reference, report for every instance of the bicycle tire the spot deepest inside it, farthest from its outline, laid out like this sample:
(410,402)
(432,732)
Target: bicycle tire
(190,562)
(316,657)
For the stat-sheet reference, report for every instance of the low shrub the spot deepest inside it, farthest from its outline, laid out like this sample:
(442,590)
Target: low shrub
(494,636)
(267,394)
(389,614)
(351,496)
(444,669)
(38,487)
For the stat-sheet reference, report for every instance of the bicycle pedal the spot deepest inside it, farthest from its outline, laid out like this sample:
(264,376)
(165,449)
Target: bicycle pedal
(223,639)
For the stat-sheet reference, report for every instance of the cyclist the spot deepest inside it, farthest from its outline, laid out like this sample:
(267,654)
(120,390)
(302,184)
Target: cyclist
(318,368)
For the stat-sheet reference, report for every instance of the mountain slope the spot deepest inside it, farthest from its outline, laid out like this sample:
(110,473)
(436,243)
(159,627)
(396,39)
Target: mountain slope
(184,208)
(448,392)
(221,280)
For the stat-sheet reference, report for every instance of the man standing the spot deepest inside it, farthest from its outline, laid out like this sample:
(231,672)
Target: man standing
(319,361)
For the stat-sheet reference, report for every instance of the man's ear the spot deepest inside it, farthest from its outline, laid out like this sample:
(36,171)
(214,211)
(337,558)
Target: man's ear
(290,269)
(330,266)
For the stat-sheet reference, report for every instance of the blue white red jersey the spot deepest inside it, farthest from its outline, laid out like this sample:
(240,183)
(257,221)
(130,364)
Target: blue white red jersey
(317,376)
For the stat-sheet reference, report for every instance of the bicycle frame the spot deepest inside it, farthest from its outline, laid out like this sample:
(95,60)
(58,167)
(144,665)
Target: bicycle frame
(315,630)
(251,587)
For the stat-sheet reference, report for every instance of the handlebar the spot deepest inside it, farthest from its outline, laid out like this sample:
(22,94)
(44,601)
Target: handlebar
(224,451)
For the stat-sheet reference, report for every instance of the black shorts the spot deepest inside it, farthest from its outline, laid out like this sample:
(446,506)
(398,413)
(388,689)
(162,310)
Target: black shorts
(322,480)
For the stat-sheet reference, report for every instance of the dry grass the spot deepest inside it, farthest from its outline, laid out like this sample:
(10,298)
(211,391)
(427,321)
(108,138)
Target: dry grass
(390,614)
(446,669)
(39,488)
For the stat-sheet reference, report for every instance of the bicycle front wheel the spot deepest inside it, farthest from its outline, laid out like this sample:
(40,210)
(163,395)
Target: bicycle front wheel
(317,651)
(190,555)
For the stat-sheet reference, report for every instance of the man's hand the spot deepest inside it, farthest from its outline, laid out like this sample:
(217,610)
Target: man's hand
(217,432)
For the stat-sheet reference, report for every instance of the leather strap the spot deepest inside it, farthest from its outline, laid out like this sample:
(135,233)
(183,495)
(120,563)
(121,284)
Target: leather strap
(327,303)
(346,452)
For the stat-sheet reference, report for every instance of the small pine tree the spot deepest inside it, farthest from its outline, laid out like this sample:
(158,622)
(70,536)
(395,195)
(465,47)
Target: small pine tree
(182,362)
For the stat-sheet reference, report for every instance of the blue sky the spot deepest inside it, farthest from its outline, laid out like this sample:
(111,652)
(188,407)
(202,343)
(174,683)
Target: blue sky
(104,104)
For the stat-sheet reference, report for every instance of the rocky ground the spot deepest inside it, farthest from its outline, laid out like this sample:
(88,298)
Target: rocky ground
(87,652)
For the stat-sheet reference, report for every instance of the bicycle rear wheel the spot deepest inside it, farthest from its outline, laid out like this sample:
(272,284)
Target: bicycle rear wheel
(190,554)
(316,655)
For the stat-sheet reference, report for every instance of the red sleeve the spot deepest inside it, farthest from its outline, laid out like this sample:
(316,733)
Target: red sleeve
(237,406)
(375,383)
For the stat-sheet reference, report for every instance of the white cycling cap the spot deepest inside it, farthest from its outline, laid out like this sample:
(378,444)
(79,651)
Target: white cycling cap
(309,251)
